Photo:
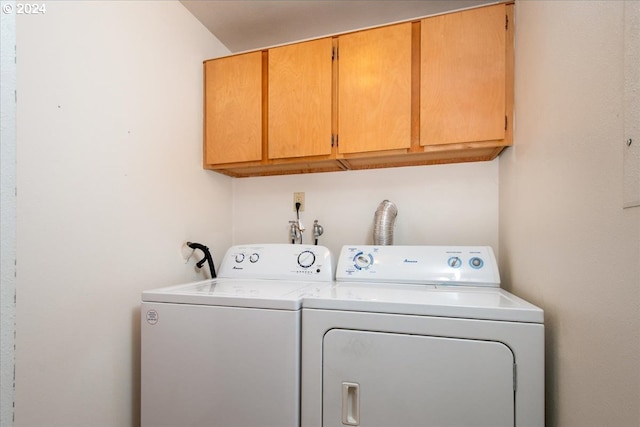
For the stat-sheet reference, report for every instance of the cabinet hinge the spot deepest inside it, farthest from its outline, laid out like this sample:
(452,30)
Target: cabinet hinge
(515,377)
(334,53)
(506,122)
(506,22)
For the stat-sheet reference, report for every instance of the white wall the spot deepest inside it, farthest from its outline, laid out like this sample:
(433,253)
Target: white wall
(7,209)
(110,185)
(445,204)
(566,243)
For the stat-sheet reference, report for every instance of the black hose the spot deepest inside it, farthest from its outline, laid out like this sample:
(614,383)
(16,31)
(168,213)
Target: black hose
(298,205)
(207,257)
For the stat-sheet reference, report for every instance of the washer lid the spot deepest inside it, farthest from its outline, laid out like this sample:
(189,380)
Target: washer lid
(424,300)
(270,294)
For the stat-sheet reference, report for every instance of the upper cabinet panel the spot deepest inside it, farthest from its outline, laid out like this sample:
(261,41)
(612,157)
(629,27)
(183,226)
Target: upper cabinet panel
(427,91)
(374,89)
(299,91)
(233,109)
(463,75)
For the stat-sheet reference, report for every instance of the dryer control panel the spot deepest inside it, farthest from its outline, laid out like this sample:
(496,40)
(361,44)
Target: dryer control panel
(277,261)
(446,265)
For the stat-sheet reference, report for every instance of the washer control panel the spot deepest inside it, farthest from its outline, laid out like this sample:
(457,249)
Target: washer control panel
(447,265)
(277,261)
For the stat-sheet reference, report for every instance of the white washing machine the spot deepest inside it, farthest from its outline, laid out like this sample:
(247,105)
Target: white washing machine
(420,336)
(226,352)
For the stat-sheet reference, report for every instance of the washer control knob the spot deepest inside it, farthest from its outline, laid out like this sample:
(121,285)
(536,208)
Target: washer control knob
(476,262)
(239,257)
(254,257)
(306,259)
(454,262)
(362,261)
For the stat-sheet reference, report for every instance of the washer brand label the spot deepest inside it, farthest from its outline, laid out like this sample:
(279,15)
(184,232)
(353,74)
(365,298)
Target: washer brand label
(152,317)
(410,261)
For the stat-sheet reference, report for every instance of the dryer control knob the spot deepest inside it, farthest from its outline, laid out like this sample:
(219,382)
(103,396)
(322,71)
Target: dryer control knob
(239,257)
(454,262)
(476,262)
(362,261)
(254,257)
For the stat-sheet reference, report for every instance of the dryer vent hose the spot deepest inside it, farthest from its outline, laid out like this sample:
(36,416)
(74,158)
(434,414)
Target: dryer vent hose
(383,222)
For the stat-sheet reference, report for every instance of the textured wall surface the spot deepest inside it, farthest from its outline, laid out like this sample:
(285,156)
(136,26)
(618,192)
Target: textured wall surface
(7,209)
(110,186)
(566,243)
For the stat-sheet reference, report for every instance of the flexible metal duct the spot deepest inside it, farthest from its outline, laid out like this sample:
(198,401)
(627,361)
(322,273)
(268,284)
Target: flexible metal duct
(383,222)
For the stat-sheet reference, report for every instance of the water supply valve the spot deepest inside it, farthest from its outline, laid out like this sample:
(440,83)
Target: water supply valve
(295,231)
(317,231)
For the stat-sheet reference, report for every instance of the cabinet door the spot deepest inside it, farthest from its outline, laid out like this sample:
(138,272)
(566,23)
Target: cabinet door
(300,99)
(463,77)
(387,379)
(233,109)
(374,90)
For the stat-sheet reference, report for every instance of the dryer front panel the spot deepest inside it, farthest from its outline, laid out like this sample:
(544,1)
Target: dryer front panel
(392,379)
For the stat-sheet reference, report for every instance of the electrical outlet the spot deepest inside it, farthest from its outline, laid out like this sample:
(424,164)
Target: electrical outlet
(298,198)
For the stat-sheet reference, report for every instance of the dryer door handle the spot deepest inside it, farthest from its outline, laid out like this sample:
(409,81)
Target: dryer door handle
(350,404)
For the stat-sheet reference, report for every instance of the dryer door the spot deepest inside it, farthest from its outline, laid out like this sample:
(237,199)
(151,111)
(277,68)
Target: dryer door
(387,379)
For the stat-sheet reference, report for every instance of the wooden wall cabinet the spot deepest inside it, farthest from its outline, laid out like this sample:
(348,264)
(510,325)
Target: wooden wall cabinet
(270,112)
(429,91)
(462,77)
(374,90)
(233,109)
(300,87)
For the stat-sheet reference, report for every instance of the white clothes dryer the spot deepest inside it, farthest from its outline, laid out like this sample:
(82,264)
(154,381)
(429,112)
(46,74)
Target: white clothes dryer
(226,352)
(420,336)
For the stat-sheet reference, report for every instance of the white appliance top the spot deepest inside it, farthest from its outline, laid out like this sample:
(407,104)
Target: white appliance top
(461,282)
(254,293)
(273,276)
(423,300)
